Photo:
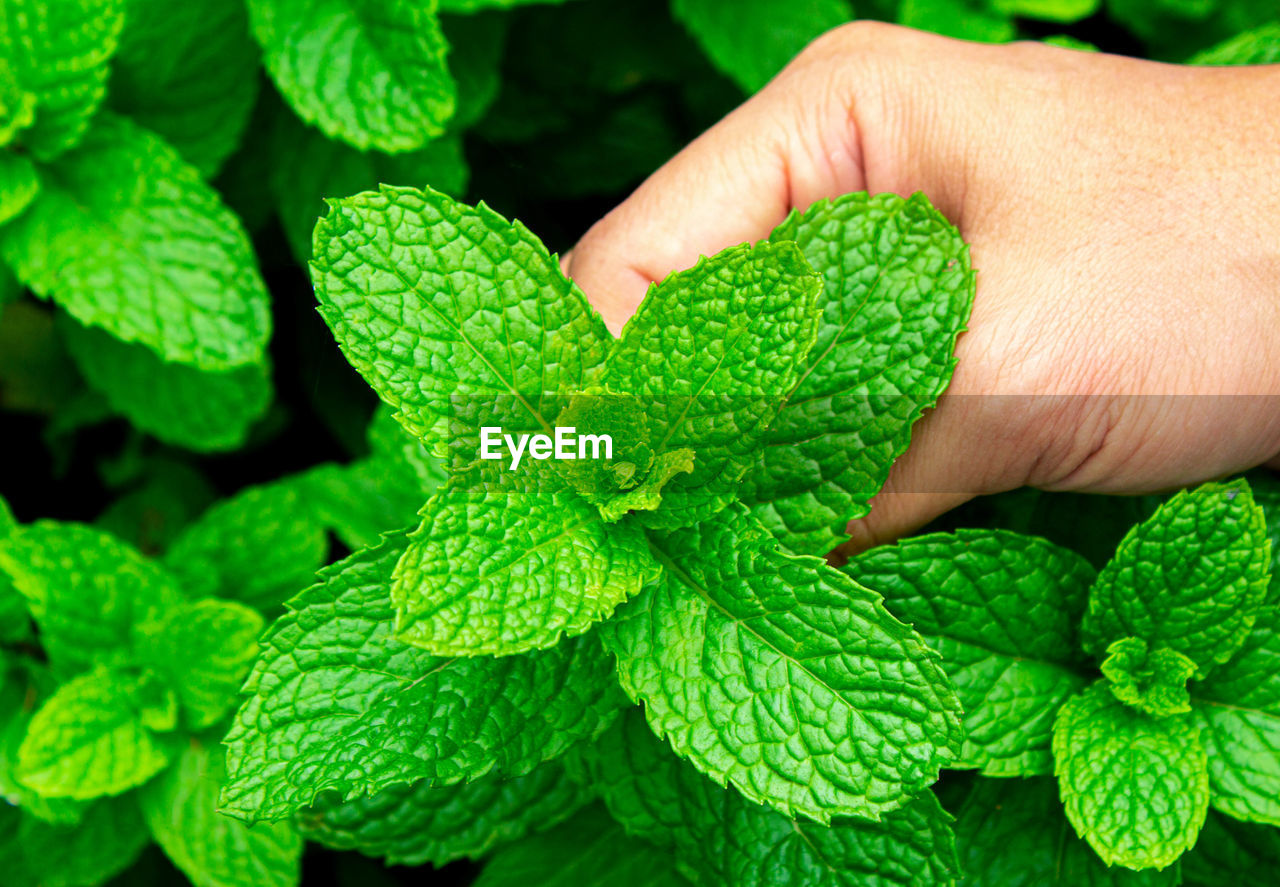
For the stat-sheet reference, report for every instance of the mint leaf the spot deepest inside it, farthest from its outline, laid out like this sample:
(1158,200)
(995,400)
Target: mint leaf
(203,651)
(369,72)
(308,168)
(591,850)
(897,291)
(176,403)
(793,659)
(1002,610)
(1238,711)
(1153,681)
(125,236)
(89,739)
(23,690)
(753,40)
(1135,788)
(19,184)
(414,286)
(1191,577)
(211,849)
(1260,46)
(58,51)
(337,704)
(723,840)
(1060,11)
(92,595)
(963,19)
(420,823)
(465,6)
(711,353)
(260,547)
(189,73)
(1011,833)
(1233,854)
(105,842)
(510,562)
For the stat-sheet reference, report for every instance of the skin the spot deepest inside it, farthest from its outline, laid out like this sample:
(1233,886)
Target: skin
(1123,215)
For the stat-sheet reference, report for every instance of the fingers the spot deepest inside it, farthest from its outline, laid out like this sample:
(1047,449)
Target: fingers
(789,145)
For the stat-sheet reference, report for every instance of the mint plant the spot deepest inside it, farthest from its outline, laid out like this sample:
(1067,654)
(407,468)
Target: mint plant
(1178,622)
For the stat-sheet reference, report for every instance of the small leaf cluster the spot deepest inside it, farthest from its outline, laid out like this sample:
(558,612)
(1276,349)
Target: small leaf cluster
(1176,718)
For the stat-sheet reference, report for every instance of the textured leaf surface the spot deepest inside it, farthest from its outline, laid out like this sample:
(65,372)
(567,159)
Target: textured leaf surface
(1238,711)
(261,547)
(1260,46)
(1002,610)
(307,168)
(1012,833)
(590,850)
(337,704)
(23,690)
(211,849)
(59,52)
(897,288)
(369,72)
(125,236)
(723,840)
(773,673)
(179,404)
(189,73)
(1152,681)
(958,18)
(512,562)
(88,739)
(753,40)
(203,651)
(1062,11)
(417,824)
(1135,788)
(710,353)
(1191,577)
(1233,854)
(91,594)
(448,311)
(19,184)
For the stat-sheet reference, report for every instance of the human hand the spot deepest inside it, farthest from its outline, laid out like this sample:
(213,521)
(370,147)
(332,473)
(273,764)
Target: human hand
(1124,220)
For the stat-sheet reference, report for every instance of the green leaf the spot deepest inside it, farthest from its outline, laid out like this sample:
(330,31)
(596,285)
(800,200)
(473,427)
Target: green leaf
(1012,833)
(89,739)
(1238,712)
(337,704)
(23,689)
(422,824)
(1266,492)
(752,41)
(102,844)
(92,596)
(825,705)
(466,6)
(723,840)
(897,288)
(414,286)
(1002,610)
(1260,46)
(59,52)
(189,73)
(178,404)
(211,849)
(203,652)
(711,353)
(1153,681)
(1135,788)
(125,236)
(308,168)
(1233,854)
(369,72)
(512,561)
(19,184)
(1060,11)
(1190,578)
(591,850)
(475,62)
(963,19)
(260,547)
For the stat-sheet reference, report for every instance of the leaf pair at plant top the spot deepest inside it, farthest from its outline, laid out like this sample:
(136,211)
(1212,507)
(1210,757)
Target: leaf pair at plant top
(1140,755)
(463,321)
(123,721)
